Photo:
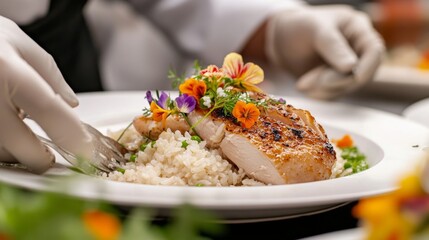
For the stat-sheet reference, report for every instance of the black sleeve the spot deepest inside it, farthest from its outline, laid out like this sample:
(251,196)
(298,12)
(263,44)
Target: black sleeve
(64,34)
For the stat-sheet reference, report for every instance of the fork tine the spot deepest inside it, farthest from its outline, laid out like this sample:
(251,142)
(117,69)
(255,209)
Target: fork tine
(108,142)
(107,154)
(71,158)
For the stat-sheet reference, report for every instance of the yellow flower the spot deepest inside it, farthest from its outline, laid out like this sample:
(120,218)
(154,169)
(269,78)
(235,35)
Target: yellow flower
(245,75)
(246,114)
(382,218)
(409,186)
(194,88)
(103,226)
(159,114)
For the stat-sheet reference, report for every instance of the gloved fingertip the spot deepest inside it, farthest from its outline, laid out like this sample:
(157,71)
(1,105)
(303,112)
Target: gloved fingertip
(309,80)
(347,64)
(70,98)
(6,157)
(45,163)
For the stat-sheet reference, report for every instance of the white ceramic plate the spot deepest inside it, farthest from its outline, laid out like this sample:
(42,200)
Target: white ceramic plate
(400,82)
(418,112)
(386,139)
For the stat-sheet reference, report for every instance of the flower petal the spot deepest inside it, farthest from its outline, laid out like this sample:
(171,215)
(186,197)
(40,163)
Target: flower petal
(246,114)
(162,101)
(149,96)
(245,75)
(102,225)
(233,65)
(185,103)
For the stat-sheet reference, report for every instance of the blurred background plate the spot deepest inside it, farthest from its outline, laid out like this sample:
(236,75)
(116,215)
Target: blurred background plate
(418,112)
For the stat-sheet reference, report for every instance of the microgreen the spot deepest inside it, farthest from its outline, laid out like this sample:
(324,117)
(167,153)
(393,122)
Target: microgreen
(213,88)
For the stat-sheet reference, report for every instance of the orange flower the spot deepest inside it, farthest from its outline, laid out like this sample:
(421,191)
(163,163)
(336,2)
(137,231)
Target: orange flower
(245,75)
(383,218)
(194,88)
(424,64)
(345,141)
(4,236)
(103,226)
(246,114)
(159,114)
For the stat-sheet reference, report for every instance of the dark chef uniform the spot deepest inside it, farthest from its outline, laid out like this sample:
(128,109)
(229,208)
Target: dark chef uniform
(63,33)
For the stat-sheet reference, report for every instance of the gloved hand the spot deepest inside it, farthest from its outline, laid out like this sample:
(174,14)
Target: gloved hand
(332,50)
(30,81)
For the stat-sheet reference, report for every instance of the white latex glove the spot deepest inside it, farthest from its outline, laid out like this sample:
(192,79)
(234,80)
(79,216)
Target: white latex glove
(31,81)
(332,50)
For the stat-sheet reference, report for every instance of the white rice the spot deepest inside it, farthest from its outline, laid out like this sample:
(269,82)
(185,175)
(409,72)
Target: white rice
(338,169)
(168,163)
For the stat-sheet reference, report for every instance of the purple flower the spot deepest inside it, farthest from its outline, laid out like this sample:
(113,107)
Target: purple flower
(282,101)
(185,103)
(162,101)
(149,96)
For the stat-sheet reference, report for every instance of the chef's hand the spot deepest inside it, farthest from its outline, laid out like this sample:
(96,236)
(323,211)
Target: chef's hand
(30,81)
(332,50)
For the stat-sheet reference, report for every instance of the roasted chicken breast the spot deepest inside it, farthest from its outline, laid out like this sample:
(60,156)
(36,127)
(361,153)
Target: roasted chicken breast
(285,145)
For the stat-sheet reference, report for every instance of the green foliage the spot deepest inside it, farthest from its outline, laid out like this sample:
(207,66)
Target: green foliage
(41,215)
(175,79)
(189,222)
(354,159)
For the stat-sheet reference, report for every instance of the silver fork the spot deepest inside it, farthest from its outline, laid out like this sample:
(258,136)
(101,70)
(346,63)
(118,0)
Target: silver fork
(107,154)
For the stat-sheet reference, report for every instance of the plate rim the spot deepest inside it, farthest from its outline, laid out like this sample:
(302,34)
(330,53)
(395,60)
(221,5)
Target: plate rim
(273,203)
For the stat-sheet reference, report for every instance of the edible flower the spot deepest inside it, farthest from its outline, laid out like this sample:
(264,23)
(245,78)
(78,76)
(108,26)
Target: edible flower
(103,226)
(194,88)
(345,141)
(149,96)
(185,103)
(424,62)
(212,71)
(159,114)
(162,101)
(214,89)
(4,236)
(402,214)
(245,75)
(246,113)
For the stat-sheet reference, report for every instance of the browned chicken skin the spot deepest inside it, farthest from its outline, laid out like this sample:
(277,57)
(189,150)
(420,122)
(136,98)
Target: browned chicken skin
(286,145)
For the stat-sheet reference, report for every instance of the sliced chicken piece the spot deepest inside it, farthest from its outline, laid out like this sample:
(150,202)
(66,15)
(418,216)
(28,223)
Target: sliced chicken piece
(274,153)
(211,131)
(295,118)
(291,116)
(146,126)
(276,150)
(286,144)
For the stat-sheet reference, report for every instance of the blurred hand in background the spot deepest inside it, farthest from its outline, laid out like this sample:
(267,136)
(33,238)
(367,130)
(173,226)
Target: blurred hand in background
(332,50)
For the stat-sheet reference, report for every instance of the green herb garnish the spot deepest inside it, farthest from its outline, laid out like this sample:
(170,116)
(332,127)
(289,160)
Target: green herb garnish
(185,144)
(354,159)
(133,157)
(196,138)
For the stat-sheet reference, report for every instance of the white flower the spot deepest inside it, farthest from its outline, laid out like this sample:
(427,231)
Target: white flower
(229,88)
(220,92)
(243,96)
(207,101)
